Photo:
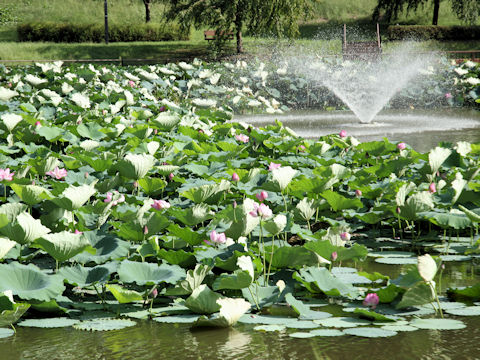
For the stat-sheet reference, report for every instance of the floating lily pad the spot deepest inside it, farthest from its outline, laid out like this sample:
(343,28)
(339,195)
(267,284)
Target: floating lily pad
(105,324)
(455,257)
(265,319)
(301,324)
(384,254)
(342,322)
(465,311)
(399,328)
(48,322)
(438,324)
(270,328)
(369,332)
(181,319)
(5,332)
(327,332)
(396,260)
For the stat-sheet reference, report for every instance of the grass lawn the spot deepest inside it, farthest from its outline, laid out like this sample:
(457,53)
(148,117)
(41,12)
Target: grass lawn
(322,32)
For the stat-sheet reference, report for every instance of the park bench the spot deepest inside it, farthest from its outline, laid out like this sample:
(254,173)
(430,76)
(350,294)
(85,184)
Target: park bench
(212,35)
(361,50)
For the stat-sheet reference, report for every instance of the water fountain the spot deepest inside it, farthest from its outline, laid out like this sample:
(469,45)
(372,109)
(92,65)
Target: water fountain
(366,88)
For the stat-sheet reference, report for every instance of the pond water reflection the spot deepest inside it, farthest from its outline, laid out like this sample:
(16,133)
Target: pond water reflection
(421,129)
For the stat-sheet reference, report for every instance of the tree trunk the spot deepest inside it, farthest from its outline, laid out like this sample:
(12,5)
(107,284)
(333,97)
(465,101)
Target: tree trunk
(238,29)
(147,10)
(239,42)
(436,8)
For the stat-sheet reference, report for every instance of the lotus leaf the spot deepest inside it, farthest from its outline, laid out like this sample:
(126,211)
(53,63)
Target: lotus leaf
(25,229)
(64,245)
(104,324)
(149,274)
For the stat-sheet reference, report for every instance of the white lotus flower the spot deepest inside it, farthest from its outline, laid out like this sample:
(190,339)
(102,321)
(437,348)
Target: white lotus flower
(427,267)
(34,80)
(11,120)
(7,94)
(233,309)
(81,100)
(460,71)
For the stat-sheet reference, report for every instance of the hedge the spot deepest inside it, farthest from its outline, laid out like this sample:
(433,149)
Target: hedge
(65,32)
(433,32)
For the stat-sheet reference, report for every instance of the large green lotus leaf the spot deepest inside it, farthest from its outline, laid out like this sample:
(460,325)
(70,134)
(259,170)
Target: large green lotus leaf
(123,295)
(207,193)
(166,120)
(195,278)
(276,225)
(5,246)
(192,216)
(50,133)
(283,176)
(238,280)
(11,211)
(74,197)
(104,324)
(321,280)
(31,194)
(403,192)
(48,322)
(340,202)
(135,166)
(453,219)
(306,208)
(465,311)
(303,310)
(148,273)
(469,292)
(438,324)
(188,235)
(91,131)
(263,296)
(294,257)
(389,293)
(85,276)
(64,245)
(437,157)
(29,282)
(419,294)
(245,223)
(230,311)
(25,229)
(415,204)
(203,300)
(152,186)
(473,216)
(324,248)
(107,246)
(166,170)
(177,257)
(9,317)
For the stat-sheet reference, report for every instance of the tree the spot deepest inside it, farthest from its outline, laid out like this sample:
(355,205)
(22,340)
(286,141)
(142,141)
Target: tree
(147,10)
(274,17)
(466,10)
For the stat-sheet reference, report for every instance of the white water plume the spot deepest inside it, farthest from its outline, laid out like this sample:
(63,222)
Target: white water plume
(365,87)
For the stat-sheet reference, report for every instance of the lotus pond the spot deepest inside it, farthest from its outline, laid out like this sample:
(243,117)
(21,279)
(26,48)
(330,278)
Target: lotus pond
(135,215)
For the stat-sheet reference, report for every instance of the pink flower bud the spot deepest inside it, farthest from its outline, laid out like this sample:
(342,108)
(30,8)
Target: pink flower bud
(401,146)
(262,196)
(235,177)
(78,232)
(432,188)
(358,193)
(334,256)
(145,230)
(371,300)
(135,184)
(273,166)
(234,204)
(342,133)
(345,236)
(448,95)
(170,176)
(301,148)
(155,292)
(160,204)
(38,124)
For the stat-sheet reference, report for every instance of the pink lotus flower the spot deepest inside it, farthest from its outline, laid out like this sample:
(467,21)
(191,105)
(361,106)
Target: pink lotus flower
(235,177)
(160,204)
(448,95)
(334,256)
(262,196)
(218,238)
(358,192)
(78,232)
(345,236)
(432,188)
(131,83)
(342,134)
(242,138)
(108,198)
(273,166)
(38,124)
(5,174)
(57,173)
(145,230)
(261,210)
(301,147)
(401,146)
(371,300)
(155,292)
(170,176)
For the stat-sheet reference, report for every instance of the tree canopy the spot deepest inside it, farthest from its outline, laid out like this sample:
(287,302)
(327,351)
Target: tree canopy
(466,10)
(273,17)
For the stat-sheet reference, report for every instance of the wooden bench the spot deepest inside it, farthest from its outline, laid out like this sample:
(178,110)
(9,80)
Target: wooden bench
(212,35)
(361,50)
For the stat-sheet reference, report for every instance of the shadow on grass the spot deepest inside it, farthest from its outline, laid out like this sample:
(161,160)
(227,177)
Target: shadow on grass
(357,30)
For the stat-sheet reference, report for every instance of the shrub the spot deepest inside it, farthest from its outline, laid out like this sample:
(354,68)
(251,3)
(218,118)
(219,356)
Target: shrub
(431,32)
(64,32)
